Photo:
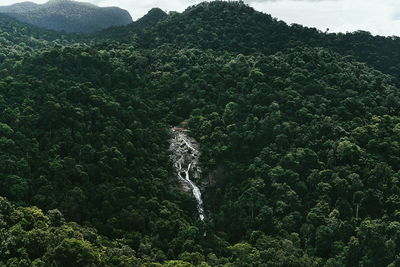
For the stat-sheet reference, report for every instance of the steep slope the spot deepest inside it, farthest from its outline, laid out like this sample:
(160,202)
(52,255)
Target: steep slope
(18,39)
(69,16)
(228,26)
(126,33)
(152,18)
(18,7)
(236,27)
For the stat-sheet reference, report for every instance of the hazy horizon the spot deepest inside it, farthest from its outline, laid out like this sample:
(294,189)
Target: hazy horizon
(380,17)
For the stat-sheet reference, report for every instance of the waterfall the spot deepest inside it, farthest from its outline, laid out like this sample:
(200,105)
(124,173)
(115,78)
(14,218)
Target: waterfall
(185,158)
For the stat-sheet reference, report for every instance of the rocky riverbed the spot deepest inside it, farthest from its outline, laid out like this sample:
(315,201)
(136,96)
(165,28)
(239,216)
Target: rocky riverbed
(185,154)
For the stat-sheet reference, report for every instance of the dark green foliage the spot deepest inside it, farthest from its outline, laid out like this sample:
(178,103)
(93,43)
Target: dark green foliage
(31,238)
(301,137)
(234,26)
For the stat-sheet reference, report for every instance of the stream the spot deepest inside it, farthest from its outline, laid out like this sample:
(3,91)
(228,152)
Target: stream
(185,154)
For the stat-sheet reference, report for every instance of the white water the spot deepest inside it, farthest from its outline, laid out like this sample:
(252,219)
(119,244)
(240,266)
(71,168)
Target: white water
(185,158)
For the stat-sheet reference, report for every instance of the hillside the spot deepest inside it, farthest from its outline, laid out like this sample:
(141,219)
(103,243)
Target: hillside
(130,32)
(18,39)
(68,15)
(18,7)
(299,134)
(235,27)
(27,232)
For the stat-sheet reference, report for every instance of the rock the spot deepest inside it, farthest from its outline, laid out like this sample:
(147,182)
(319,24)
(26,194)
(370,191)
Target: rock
(185,154)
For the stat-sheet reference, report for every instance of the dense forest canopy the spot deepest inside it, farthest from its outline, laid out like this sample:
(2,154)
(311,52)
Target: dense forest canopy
(299,131)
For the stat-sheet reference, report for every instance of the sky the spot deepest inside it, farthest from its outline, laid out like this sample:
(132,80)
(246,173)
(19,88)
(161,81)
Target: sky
(380,17)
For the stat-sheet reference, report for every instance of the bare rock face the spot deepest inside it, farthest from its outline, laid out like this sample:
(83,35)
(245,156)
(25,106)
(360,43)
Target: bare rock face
(185,154)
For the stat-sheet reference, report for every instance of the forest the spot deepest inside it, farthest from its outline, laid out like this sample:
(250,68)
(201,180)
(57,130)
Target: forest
(299,130)
(67,15)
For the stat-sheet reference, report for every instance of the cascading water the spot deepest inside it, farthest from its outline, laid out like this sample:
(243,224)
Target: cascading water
(185,157)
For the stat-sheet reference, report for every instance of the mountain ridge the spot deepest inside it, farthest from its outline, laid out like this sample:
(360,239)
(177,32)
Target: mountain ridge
(68,15)
(19,7)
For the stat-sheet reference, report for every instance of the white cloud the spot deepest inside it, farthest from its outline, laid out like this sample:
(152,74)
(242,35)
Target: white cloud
(140,8)
(377,16)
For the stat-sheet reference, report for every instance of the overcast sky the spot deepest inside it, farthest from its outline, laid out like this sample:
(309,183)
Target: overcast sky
(377,16)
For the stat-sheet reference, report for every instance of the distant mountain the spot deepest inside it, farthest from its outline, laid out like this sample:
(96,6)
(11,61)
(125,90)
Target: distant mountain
(18,38)
(19,7)
(154,16)
(148,21)
(68,15)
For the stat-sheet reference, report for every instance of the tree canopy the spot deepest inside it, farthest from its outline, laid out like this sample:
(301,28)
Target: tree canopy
(299,132)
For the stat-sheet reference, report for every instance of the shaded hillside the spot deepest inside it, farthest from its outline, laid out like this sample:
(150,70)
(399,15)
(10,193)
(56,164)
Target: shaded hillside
(18,39)
(236,27)
(129,32)
(19,7)
(226,26)
(68,15)
(154,16)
